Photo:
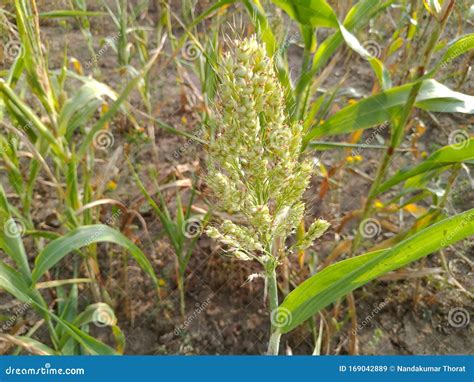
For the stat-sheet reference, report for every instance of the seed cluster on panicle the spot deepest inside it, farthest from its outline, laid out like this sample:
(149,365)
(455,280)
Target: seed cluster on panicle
(254,162)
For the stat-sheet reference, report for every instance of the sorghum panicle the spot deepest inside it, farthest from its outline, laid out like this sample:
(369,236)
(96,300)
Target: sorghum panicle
(254,162)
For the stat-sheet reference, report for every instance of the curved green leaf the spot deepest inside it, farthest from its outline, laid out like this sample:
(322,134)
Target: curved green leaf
(97,312)
(103,315)
(382,74)
(114,108)
(386,105)
(455,153)
(30,116)
(84,236)
(339,279)
(360,14)
(12,244)
(85,102)
(316,13)
(11,281)
(455,49)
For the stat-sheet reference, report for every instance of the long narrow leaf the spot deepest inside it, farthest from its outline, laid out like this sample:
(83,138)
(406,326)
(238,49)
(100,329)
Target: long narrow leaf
(455,153)
(384,106)
(84,236)
(337,280)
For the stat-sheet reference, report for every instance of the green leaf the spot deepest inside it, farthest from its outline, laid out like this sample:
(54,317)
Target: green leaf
(89,343)
(456,48)
(70,13)
(382,74)
(30,115)
(85,102)
(12,244)
(316,13)
(14,284)
(114,108)
(456,153)
(102,315)
(11,281)
(339,279)
(84,236)
(359,15)
(386,105)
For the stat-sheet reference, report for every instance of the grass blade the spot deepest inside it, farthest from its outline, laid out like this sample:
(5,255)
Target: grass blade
(440,158)
(339,279)
(84,236)
(386,105)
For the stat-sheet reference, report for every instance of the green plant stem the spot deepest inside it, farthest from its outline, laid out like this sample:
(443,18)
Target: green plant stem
(182,302)
(270,274)
(397,134)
